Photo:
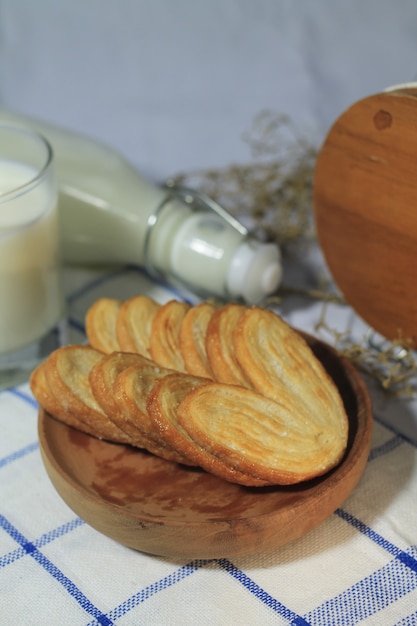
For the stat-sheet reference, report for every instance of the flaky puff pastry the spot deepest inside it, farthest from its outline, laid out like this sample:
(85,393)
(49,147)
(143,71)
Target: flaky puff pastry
(100,324)
(134,324)
(219,346)
(52,404)
(102,378)
(257,436)
(281,366)
(164,341)
(192,339)
(162,405)
(273,416)
(66,373)
(131,390)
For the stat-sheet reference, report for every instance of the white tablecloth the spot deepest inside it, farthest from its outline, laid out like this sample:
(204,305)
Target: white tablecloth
(357,567)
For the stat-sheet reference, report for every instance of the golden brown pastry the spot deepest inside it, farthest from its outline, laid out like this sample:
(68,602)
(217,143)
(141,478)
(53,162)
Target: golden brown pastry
(258,436)
(102,379)
(66,372)
(134,324)
(280,365)
(234,390)
(131,391)
(52,404)
(164,344)
(163,402)
(100,324)
(219,345)
(192,339)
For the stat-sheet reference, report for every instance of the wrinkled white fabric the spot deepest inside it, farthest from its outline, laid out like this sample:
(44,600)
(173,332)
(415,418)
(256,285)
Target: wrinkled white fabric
(175,85)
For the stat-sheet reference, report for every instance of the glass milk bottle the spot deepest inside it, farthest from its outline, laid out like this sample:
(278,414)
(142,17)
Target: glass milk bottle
(110,214)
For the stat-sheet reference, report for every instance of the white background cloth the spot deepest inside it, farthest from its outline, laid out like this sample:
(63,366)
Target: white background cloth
(173,85)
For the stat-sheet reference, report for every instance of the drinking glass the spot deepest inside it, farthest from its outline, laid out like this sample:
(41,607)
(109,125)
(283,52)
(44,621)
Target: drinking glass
(32,322)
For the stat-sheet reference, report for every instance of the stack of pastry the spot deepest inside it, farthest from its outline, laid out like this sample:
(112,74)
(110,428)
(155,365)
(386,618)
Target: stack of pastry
(231,389)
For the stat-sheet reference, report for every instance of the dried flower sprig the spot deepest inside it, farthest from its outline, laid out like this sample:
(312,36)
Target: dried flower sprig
(392,364)
(272,195)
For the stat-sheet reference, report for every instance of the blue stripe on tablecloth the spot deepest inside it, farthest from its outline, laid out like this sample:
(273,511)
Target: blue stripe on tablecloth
(31,550)
(18,454)
(368,596)
(398,578)
(149,591)
(261,594)
(353,605)
(378,539)
(76,325)
(22,395)
(410,620)
(46,538)
(387,446)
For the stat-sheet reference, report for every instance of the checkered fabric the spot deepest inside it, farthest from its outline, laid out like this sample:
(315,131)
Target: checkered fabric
(357,567)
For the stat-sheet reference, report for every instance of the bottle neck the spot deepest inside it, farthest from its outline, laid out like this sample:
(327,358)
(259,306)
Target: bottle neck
(205,252)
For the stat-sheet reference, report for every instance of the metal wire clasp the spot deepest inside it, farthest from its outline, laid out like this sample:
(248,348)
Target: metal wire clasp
(201,201)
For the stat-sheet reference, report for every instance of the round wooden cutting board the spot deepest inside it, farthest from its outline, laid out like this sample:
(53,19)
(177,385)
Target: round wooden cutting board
(365,206)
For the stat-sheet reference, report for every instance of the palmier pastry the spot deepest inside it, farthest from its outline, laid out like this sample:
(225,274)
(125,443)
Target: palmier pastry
(131,391)
(219,345)
(134,324)
(281,366)
(257,436)
(163,402)
(192,339)
(67,374)
(164,344)
(102,379)
(46,398)
(233,390)
(100,324)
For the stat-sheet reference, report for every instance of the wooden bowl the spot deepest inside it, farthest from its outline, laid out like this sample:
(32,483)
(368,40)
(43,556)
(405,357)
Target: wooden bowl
(165,509)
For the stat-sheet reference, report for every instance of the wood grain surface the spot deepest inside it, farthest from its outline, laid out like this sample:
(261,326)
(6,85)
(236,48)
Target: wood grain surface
(365,207)
(167,509)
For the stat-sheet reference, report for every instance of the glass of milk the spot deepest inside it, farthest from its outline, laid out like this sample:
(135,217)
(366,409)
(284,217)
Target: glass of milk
(31,301)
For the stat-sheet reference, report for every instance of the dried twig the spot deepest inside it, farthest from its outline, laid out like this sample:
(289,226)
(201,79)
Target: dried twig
(272,196)
(392,364)
(272,192)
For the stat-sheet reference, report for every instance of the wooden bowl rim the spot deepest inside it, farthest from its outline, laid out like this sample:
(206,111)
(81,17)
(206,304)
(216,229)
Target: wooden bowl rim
(355,454)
